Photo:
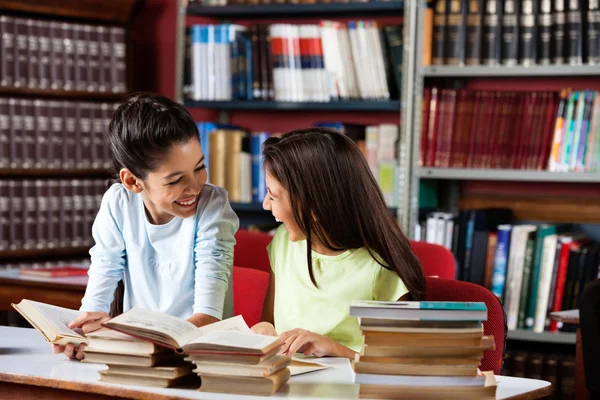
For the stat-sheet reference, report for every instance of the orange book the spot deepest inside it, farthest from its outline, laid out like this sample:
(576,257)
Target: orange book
(427,36)
(54,272)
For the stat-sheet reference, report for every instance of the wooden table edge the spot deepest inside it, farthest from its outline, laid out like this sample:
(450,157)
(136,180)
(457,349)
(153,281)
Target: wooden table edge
(116,391)
(534,394)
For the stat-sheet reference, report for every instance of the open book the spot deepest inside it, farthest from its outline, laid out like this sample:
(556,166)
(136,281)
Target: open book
(51,321)
(230,336)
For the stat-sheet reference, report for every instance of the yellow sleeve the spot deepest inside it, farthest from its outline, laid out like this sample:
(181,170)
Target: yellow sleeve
(275,247)
(388,286)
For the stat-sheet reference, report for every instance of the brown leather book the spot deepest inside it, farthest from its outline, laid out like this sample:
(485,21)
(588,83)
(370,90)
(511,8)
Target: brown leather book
(244,385)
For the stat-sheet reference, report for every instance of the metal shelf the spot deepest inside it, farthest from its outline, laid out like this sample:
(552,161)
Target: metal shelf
(506,175)
(375,105)
(370,8)
(509,72)
(543,337)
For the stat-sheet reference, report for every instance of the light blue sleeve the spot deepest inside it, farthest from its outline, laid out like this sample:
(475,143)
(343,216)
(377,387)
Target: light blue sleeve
(213,251)
(107,256)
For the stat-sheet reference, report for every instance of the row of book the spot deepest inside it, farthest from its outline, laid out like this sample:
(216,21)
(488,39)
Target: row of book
(511,32)
(534,270)
(413,353)
(557,369)
(60,55)
(297,63)
(234,157)
(517,130)
(54,134)
(259,2)
(45,214)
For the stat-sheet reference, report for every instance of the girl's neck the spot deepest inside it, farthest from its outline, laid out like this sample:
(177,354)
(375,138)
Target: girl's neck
(320,248)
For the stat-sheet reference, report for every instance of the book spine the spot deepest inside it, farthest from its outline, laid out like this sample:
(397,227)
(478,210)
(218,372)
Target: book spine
(5,134)
(559,26)
(78,217)
(439,32)
(104,82)
(574,33)
(16,215)
(86,135)
(81,43)
(57,73)
(89,210)
(501,260)
(510,34)
(524,295)
(69,56)
(41,214)
(4,215)
(107,113)
(455,34)
(69,156)
(29,133)
(16,133)
(473,34)
(33,77)
(528,34)
(53,216)
(29,212)
(491,33)
(118,65)
(44,54)
(593,29)
(545,33)
(93,60)
(20,53)
(66,213)
(7,64)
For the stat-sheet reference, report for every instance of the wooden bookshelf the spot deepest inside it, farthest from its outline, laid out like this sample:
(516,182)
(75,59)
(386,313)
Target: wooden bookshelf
(111,11)
(364,9)
(353,106)
(541,337)
(53,173)
(506,175)
(44,253)
(540,71)
(61,94)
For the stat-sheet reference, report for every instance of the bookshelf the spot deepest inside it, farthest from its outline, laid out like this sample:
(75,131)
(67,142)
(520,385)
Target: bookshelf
(541,337)
(508,72)
(55,106)
(511,175)
(251,114)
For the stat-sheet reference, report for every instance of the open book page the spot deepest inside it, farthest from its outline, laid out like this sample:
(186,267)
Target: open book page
(138,320)
(302,366)
(58,318)
(233,339)
(235,324)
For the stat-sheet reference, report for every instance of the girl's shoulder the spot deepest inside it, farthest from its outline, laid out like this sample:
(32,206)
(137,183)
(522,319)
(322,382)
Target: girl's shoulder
(117,195)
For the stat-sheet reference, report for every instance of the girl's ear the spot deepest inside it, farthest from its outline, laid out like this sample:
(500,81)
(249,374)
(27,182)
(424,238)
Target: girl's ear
(130,181)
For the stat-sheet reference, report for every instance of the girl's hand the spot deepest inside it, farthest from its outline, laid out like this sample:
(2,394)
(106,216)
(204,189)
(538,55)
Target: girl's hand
(299,340)
(70,350)
(264,328)
(90,321)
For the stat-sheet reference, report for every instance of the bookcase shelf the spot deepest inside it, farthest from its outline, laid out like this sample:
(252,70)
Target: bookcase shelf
(543,337)
(114,11)
(53,173)
(506,175)
(508,72)
(370,8)
(354,106)
(44,253)
(61,94)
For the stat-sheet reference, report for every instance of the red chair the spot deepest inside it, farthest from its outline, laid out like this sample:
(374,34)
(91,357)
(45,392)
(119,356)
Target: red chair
(250,250)
(452,290)
(249,291)
(436,260)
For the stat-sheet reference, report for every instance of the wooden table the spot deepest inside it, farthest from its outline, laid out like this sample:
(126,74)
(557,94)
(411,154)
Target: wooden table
(61,291)
(572,317)
(28,370)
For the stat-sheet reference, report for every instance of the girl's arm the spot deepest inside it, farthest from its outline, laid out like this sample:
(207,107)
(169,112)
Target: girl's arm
(213,255)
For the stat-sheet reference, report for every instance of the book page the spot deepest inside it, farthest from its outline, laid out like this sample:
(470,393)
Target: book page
(58,318)
(170,326)
(300,366)
(235,324)
(236,339)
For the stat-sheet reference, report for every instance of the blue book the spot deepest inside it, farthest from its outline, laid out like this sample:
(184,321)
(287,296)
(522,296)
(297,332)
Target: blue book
(259,183)
(420,310)
(501,260)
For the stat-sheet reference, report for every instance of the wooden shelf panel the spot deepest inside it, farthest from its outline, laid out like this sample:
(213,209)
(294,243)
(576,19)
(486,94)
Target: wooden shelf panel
(44,253)
(543,337)
(53,173)
(110,11)
(506,175)
(61,94)
(358,106)
(538,71)
(370,8)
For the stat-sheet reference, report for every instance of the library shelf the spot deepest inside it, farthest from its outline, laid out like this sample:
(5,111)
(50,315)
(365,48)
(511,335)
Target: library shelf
(541,337)
(354,106)
(257,207)
(53,173)
(61,94)
(44,253)
(369,8)
(506,175)
(509,72)
(114,11)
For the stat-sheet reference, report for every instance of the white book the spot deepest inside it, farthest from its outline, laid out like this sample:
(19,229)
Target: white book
(545,281)
(350,74)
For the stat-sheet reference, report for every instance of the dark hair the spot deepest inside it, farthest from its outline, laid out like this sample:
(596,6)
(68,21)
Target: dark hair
(144,128)
(335,197)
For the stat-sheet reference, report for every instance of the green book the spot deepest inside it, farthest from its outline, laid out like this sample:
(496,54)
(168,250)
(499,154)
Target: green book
(526,279)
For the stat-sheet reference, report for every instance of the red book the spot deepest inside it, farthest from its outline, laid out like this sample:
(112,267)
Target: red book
(54,272)
(425,126)
(561,278)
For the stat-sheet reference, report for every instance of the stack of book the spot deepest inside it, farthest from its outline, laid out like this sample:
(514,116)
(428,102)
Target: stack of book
(417,350)
(136,362)
(254,369)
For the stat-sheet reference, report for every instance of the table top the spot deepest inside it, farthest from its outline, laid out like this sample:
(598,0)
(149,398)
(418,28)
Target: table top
(26,358)
(13,276)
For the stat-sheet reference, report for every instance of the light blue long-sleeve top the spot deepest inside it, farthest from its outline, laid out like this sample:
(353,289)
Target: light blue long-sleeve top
(180,268)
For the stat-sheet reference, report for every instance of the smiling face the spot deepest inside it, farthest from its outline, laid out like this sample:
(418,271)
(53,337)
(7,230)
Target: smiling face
(172,189)
(278,202)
